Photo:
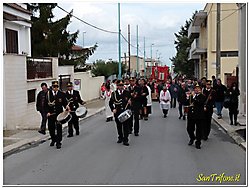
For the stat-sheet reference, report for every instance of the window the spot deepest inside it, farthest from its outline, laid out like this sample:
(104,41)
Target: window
(11,41)
(229,54)
(31,95)
(39,68)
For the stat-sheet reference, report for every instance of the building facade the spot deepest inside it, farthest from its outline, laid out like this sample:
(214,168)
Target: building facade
(203,49)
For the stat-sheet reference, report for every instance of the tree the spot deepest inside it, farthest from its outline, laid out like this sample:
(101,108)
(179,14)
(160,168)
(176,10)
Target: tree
(102,68)
(183,44)
(51,38)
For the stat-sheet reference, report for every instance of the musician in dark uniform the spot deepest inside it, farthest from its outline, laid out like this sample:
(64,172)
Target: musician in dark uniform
(73,99)
(135,92)
(144,93)
(196,116)
(56,101)
(119,102)
(209,94)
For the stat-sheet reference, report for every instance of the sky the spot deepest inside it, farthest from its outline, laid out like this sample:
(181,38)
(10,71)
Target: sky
(157,23)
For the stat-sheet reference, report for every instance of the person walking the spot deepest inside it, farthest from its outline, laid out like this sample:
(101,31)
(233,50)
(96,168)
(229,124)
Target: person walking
(42,107)
(196,116)
(173,89)
(149,100)
(135,91)
(143,99)
(233,93)
(165,99)
(220,90)
(73,99)
(182,98)
(56,101)
(119,102)
(209,94)
(107,96)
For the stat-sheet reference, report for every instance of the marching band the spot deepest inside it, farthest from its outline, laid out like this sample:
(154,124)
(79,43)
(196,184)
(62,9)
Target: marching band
(126,101)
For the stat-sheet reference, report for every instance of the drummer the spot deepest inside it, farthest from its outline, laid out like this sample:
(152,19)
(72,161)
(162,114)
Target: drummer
(119,102)
(56,101)
(74,99)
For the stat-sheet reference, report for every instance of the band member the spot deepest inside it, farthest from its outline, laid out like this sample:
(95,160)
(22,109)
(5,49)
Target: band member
(135,92)
(107,97)
(42,107)
(182,98)
(56,102)
(73,99)
(196,116)
(119,102)
(165,99)
(144,94)
(208,92)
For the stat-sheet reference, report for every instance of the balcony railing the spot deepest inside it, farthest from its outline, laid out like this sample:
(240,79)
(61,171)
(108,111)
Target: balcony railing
(39,68)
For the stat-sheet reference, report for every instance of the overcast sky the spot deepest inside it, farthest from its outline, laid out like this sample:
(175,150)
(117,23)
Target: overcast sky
(157,22)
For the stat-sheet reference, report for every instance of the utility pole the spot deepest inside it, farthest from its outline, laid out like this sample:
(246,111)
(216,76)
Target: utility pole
(119,44)
(84,38)
(218,42)
(137,52)
(129,48)
(145,75)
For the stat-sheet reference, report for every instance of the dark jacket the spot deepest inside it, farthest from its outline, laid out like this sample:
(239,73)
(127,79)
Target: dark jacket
(41,104)
(220,93)
(234,98)
(75,99)
(197,109)
(209,99)
(173,93)
(135,96)
(182,97)
(119,102)
(56,103)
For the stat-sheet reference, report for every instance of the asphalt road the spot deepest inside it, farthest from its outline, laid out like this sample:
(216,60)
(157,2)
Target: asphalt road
(159,156)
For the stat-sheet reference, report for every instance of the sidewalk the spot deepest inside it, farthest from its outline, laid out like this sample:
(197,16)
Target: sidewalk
(17,140)
(237,133)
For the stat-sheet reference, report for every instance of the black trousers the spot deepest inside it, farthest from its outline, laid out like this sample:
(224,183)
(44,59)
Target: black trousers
(136,121)
(123,130)
(74,122)
(44,120)
(52,126)
(233,113)
(180,110)
(194,125)
(173,103)
(165,112)
(207,124)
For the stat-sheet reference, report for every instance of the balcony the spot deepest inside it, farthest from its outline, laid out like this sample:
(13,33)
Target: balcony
(196,49)
(199,18)
(193,31)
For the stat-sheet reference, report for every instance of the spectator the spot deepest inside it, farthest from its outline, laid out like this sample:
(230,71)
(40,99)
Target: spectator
(173,89)
(182,98)
(214,81)
(219,98)
(190,85)
(233,93)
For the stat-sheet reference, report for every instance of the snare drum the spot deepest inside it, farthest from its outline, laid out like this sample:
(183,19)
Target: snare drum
(64,117)
(125,115)
(81,112)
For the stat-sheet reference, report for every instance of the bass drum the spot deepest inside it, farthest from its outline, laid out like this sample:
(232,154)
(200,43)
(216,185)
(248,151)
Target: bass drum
(64,117)
(81,112)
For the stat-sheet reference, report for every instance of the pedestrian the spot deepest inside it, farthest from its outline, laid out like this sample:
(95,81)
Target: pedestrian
(149,101)
(119,102)
(56,101)
(143,99)
(214,81)
(173,89)
(102,89)
(196,116)
(190,85)
(220,90)
(165,99)
(114,85)
(233,94)
(182,98)
(209,94)
(203,82)
(107,96)
(135,91)
(42,107)
(73,99)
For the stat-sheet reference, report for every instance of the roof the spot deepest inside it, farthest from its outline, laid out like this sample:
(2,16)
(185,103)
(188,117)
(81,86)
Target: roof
(77,48)
(18,7)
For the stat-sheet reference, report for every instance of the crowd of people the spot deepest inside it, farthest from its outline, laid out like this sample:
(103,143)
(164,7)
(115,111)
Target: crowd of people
(196,100)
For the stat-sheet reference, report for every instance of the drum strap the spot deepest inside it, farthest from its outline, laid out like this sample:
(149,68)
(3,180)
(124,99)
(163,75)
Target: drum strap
(117,102)
(49,102)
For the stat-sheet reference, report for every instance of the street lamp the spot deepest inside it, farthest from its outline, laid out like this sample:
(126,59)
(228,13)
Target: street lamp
(151,52)
(83,38)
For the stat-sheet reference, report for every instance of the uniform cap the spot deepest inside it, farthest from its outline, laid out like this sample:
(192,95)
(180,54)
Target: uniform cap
(209,82)
(120,82)
(55,83)
(69,84)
